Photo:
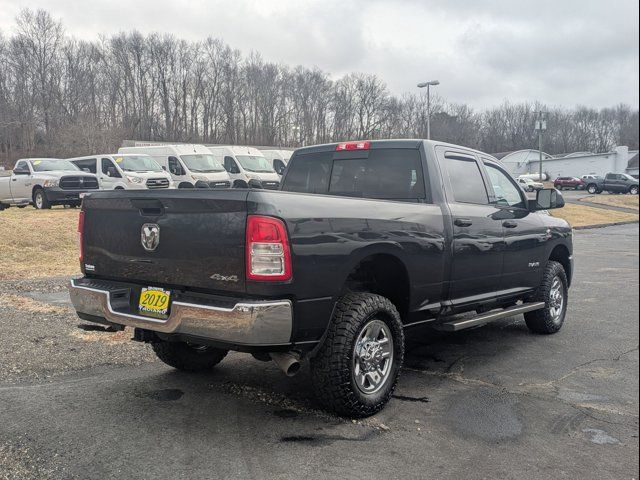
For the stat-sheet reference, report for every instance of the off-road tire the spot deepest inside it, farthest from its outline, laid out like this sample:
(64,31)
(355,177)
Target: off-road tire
(541,321)
(331,367)
(40,197)
(186,357)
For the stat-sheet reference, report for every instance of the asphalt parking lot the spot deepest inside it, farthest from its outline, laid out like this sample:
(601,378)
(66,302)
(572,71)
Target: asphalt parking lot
(493,402)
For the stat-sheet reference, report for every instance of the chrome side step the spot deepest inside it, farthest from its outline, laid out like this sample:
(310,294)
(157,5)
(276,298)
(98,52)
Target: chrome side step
(464,323)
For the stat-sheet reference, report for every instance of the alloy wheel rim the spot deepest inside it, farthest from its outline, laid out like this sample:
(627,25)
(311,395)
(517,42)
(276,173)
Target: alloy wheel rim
(556,300)
(39,200)
(372,357)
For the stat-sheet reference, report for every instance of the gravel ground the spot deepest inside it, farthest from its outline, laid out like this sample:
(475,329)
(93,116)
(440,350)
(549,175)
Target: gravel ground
(41,337)
(492,402)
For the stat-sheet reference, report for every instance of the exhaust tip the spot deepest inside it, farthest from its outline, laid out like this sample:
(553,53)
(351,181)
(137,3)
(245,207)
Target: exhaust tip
(287,362)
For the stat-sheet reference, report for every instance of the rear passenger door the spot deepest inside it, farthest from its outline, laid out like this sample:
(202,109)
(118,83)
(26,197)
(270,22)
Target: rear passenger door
(477,243)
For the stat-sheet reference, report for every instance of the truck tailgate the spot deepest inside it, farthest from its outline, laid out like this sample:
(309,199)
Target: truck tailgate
(200,243)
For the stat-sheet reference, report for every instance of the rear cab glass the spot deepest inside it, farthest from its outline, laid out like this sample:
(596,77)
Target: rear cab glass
(380,173)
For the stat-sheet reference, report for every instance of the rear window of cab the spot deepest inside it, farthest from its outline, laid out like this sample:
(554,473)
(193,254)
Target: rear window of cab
(386,174)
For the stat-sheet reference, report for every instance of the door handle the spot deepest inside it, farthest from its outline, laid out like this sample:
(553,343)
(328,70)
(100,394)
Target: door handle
(462,222)
(509,224)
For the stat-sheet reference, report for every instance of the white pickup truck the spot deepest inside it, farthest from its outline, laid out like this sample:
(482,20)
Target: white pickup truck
(45,182)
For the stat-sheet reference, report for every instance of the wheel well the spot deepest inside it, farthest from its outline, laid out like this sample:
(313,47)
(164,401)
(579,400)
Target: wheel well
(384,275)
(33,190)
(561,255)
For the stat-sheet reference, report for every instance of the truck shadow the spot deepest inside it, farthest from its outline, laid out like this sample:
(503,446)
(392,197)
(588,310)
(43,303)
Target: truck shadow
(245,379)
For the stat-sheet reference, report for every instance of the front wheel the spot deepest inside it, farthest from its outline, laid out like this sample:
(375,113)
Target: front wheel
(554,292)
(40,200)
(592,189)
(188,357)
(356,369)
(633,190)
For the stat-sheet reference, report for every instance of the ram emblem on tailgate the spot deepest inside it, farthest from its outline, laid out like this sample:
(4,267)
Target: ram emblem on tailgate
(150,236)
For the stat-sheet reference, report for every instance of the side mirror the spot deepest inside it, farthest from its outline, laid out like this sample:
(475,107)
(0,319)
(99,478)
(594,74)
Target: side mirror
(86,170)
(547,199)
(112,172)
(164,168)
(253,183)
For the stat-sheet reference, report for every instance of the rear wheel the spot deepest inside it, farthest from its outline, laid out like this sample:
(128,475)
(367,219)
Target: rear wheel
(553,292)
(188,357)
(40,200)
(356,369)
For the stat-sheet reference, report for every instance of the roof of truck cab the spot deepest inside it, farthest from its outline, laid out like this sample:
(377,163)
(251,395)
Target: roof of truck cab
(390,143)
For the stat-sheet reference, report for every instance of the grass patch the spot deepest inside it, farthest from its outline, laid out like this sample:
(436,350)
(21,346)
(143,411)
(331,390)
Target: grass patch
(584,216)
(38,243)
(624,201)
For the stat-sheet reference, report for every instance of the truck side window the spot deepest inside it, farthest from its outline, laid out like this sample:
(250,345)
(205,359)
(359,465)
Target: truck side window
(21,167)
(174,167)
(109,169)
(466,180)
(507,193)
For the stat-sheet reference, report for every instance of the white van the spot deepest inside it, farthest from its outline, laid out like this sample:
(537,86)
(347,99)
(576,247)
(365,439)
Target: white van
(245,164)
(124,171)
(187,164)
(278,158)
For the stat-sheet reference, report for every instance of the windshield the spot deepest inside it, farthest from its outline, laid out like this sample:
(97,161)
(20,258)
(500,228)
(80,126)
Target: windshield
(253,163)
(52,165)
(628,177)
(202,163)
(138,163)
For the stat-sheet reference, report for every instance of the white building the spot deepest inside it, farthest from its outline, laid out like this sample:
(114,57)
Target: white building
(620,160)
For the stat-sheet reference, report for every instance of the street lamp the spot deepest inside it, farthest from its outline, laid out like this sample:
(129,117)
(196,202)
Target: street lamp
(428,85)
(540,127)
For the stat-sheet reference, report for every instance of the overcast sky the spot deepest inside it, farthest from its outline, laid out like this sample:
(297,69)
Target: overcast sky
(562,52)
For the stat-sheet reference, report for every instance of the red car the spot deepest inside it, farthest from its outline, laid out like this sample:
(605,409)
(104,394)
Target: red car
(572,183)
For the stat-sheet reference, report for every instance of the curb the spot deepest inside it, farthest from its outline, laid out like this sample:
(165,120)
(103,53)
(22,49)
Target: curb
(603,225)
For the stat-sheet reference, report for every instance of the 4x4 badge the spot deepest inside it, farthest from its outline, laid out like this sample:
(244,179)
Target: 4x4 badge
(150,236)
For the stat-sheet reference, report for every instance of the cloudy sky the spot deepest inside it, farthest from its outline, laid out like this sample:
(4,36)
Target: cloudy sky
(562,52)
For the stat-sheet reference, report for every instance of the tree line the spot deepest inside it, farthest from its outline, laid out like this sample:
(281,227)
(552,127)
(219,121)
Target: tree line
(62,96)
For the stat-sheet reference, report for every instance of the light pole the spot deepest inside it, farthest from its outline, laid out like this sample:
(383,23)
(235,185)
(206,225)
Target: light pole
(540,127)
(428,85)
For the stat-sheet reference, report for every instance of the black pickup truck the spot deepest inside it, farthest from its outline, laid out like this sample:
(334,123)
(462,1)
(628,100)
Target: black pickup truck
(364,241)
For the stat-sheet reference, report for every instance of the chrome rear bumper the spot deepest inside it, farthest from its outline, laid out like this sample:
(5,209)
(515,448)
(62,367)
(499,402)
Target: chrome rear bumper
(246,323)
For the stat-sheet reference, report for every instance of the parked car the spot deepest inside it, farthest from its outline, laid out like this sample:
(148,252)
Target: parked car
(529,185)
(44,182)
(571,183)
(189,165)
(246,164)
(125,171)
(620,183)
(364,241)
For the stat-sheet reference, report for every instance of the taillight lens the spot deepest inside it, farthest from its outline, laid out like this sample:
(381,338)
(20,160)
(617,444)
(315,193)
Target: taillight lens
(81,236)
(267,248)
(348,146)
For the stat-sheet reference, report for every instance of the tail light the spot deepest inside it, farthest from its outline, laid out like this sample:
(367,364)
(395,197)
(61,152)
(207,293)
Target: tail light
(81,235)
(267,249)
(348,146)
